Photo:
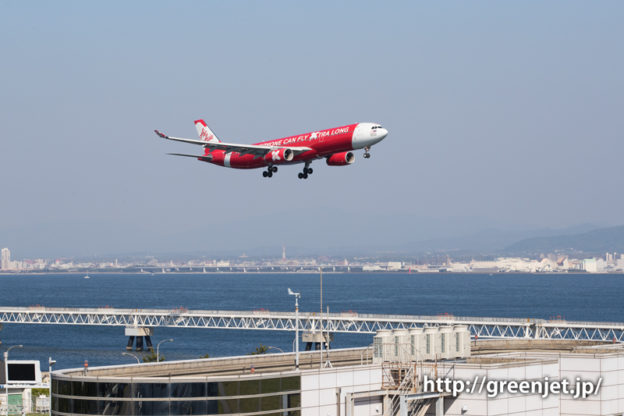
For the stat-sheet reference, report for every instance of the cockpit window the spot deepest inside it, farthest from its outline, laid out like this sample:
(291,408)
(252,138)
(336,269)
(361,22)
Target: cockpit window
(376,127)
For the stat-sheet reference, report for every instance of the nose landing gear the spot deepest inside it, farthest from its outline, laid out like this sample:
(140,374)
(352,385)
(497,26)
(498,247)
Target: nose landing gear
(306,171)
(269,172)
(366,153)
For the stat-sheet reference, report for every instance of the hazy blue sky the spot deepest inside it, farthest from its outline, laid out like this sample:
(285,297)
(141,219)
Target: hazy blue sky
(501,115)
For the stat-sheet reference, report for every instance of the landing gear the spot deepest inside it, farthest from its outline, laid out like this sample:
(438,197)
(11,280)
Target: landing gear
(270,171)
(366,154)
(306,171)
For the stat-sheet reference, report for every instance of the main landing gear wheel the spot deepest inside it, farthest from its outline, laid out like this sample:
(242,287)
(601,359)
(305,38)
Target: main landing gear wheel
(306,171)
(269,172)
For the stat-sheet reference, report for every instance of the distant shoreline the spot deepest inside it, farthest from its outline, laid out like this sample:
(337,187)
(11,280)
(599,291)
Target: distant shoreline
(306,272)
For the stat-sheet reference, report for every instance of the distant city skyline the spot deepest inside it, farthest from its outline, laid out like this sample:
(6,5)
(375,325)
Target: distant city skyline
(504,118)
(611,262)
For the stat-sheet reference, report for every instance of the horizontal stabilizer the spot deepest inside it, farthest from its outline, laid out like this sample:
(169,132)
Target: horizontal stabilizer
(206,158)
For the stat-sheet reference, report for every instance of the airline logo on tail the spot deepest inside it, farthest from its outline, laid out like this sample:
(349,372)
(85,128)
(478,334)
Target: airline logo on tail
(205,133)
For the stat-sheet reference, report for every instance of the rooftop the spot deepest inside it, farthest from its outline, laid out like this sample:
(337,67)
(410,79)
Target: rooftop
(229,366)
(484,353)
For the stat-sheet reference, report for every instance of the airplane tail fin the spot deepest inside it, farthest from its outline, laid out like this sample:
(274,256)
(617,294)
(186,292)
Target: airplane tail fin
(205,133)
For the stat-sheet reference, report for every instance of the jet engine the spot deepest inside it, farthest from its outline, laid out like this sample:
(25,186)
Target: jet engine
(279,155)
(341,159)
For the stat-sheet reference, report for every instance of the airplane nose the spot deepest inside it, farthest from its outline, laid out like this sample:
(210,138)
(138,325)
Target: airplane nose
(383,132)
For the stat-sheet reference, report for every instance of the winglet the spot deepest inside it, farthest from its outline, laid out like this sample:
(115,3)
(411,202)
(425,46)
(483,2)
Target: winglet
(163,135)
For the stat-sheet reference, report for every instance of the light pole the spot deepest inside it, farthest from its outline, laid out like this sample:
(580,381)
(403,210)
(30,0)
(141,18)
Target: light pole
(6,374)
(132,355)
(51,362)
(270,347)
(158,348)
(321,317)
(297,296)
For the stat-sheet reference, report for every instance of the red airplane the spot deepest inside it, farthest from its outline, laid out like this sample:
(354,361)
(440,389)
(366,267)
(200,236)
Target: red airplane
(335,145)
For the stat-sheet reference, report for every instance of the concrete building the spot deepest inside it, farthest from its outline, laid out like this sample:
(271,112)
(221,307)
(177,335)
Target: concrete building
(590,265)
(5,259)
(349,383)
(247,385)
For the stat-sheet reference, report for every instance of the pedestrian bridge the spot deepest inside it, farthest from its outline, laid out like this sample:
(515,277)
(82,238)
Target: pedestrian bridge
(348,322)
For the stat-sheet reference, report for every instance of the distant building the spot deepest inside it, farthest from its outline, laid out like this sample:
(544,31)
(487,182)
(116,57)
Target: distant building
(394,265)
(6,259)
(590,265)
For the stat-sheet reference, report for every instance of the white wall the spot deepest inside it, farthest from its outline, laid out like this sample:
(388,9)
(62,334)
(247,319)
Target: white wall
(610,368)
(320,390)
(503,404)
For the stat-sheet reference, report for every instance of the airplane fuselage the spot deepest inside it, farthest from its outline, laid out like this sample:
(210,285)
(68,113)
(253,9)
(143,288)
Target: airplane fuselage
(322,143)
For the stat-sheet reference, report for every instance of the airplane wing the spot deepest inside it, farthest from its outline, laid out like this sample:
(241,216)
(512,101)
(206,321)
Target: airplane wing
(243,149)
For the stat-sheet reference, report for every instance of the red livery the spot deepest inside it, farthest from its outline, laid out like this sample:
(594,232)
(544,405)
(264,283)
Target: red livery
(334,145)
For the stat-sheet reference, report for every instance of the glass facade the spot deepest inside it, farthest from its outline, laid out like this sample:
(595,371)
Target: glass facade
(263,396)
